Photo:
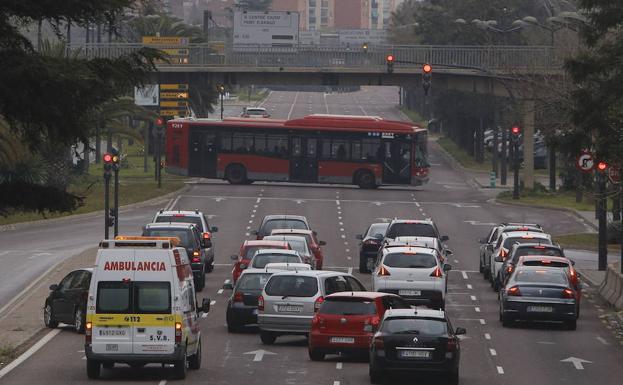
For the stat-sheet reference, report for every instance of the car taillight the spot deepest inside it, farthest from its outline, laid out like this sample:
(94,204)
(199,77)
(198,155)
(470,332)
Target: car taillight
(503,253)
(207,235)
(178,332)
(195,260)
(383,272)
(378,342)
(371,324)
(451,345)
(568,293)
(260,303)
(317,303)
(509,269)
(514,291)
(371,242)
(238,296)
(437,273)
(88,332)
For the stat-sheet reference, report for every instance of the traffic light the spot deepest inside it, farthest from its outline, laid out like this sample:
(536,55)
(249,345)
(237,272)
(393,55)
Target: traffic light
(427,72)
(110,220)
(602,166)
(390,63)
(159,121)
(108,161)
(221,88)
(364,46)
(516,131)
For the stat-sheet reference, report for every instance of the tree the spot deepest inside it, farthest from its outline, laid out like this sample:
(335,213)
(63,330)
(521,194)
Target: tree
(162,24)
(255,5)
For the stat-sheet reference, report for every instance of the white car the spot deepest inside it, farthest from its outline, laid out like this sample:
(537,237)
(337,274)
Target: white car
(415,273)
(503,246)
(263,257)
(255,112)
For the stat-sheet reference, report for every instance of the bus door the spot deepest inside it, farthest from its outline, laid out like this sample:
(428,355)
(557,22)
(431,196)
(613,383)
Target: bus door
(397,161)
(203,151)
(304,159)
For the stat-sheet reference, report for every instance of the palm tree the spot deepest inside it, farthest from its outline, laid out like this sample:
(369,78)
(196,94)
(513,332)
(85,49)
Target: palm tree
(161,25)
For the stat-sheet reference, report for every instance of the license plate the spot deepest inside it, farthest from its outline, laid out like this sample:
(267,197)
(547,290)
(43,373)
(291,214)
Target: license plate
(414,353)
(342,340)
(112,347)
(540,309)
(413,293)
(289,308)
(112,333)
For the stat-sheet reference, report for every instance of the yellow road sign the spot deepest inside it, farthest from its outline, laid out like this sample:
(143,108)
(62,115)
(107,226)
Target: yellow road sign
(176,51)
(174,95)
(174,87)
(174,103)
(165,40)
(173,112)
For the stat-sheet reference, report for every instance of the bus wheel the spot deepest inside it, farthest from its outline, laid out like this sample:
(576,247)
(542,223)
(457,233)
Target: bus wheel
(365,179)
(236,174)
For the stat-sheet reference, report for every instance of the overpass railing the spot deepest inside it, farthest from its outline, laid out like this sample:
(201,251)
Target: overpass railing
(487,58)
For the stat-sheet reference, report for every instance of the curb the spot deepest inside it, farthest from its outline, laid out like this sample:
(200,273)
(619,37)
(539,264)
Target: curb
(587,279)
(20,225)
(454,164)
(566,209)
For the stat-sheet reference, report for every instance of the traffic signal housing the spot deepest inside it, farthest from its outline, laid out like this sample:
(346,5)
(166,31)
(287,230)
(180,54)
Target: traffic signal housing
(602,166)
(427,74)
(108,161)
(516,130)
(390,63)
(159,121)
(110,220)
(221,88)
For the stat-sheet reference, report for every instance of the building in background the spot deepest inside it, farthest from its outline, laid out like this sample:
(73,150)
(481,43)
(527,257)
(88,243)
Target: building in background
(352,14)
(381,12)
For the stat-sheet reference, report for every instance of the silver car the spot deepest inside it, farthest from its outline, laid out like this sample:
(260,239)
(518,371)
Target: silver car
(297,242)
(265,256)
(290,300)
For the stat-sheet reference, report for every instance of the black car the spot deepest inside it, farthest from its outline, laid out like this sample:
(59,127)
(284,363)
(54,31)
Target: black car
(415,340)
(539,294)
(67,302)
(272,222)
(242,305)
(412,228)
(370,244)
(190,239)
(522,249)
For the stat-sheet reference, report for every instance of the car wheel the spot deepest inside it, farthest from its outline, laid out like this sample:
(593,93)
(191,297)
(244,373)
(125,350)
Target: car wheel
(376,376)
(365,179)
(108,365)
(572,324)
(79,320)
(363,264)
(179,367)
(315,355)
(93,369)
(48,317)
(210,267)
(481,268)
(236,174)
(486,274)
(194,361)
(267,338)
(201,283)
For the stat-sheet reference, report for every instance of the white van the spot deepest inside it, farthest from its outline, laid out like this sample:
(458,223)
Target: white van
(141,306)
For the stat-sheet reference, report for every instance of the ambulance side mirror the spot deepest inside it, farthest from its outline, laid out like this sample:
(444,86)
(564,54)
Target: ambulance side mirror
(53,287)
(205,305)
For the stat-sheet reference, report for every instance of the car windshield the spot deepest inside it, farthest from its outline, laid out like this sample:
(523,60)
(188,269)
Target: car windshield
(308,237)
(183,234)
(348,306)
(411,229)
(377,228)
(272,224)
(545,263)
(510,241)
(296,243)
(415,260)
(255,111)
(253,281)
(261,260)
(537,250)
(546,276)
(181,218)
(116,297)
(419,326)
(292,286)
(250,250)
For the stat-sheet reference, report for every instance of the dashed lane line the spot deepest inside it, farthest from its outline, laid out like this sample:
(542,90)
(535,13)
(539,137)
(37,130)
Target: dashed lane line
(338,366)
(493,352)
(464,274)
(470,287)
(487,336)
(220,291)
(472,297)
(500,370)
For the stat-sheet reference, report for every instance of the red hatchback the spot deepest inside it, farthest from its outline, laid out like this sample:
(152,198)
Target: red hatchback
(248,249)
(347,321)
(312,242)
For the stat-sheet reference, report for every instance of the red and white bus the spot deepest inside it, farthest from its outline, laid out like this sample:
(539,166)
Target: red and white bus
(364,150)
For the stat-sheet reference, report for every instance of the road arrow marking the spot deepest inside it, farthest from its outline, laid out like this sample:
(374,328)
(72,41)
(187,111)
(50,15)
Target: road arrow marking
(577,362)
(259,354)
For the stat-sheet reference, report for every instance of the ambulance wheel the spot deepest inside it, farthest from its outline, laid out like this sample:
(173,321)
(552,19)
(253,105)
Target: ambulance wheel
(93,369)
(194,361)
(179,367)
(48,317)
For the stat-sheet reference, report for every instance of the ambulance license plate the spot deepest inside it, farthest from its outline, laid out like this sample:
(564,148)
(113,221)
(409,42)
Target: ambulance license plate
(112,347)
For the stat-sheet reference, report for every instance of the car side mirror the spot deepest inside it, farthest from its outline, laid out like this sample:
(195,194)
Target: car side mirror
(243,266)
(214,229)
(359,236)
(315,233)
(482,240)
(233,257)
(448,252)
(322,243)
(460,331)
(444,238)
(205,305)
(228,286)
(447,267)
(572,262)
(53,287)
(205,243)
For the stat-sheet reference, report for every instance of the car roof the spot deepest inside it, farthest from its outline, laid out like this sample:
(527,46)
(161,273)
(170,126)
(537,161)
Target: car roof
(255,108)
(360,294)
(415,313)
(254,270)
(170,225)
(310,273)
(277,251)
(532,234)
(285,266)
(424,221)
(540,257)
(293,231)
(286,237)
(410,249)
(285,216)
(263,242)
(537,244)
(89,269)
(192,213)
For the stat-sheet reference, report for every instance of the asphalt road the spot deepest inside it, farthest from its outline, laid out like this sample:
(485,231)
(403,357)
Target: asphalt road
(491,354)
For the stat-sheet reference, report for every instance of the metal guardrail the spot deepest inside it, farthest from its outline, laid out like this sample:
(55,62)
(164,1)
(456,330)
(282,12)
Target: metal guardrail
(499,59)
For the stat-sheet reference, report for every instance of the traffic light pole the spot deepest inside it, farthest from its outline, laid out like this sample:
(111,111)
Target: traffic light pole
(116,198)
(515,168)
(222,107)
(159,160)
(602,222)
(504,159)
(106,200)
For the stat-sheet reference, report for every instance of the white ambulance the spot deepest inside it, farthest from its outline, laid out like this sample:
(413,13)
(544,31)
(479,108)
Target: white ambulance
(141,307)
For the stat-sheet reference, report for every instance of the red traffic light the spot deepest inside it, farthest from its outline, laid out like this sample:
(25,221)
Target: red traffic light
(427,68)
(108,158)
(516,130)
(390,58)
(159,121)
(602,166)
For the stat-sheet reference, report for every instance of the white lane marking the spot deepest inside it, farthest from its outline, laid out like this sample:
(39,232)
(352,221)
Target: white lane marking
(603,340)
(546,343)
(577,362)
(341,223)
(346,242)
(293,103)
(349,258)
(252,215)
(28,353)
(417,204)
(162,382)
(175,202)
(438,203)
(456,261)
(220,291)
(204,315)
(350,270)
(247,234)
(493,352)
(477,309)
(343,236)
(259,354)
(487,336)
(478,223)
(336,383)
(338,366)
(348,250)
(248,227)
(342,229)
(255,206)
(337,202)
(326,106)
(464,274)
(250,221)
(482,321)
(473,297)
(227,281)
(500,370)
(212,303)
(166,207)
(469,286)
(258,200)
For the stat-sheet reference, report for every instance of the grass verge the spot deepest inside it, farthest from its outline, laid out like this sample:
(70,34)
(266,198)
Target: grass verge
(564,199)
(582,241)
(414,116)
(7,353)
(135,185)
(462,156)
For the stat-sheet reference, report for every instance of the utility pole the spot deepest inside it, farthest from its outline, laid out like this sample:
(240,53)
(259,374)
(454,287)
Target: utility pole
(108,160)
(515,131)
(115,168)
(602,199)
(159,131)
(552,167)
(494,150)
(504,168)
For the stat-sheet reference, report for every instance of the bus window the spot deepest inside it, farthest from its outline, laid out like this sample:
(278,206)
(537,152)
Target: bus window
(260,144)
(339,149)
(243,142)
(226,141)
(371,150)
(356,150)
(296,146)
(277,145)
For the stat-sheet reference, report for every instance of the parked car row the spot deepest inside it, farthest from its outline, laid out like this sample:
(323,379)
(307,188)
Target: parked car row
(534,278)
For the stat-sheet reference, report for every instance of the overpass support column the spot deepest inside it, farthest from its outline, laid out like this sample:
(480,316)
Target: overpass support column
(528,144)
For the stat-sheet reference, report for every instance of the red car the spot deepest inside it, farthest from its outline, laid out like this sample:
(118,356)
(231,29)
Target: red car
(312,242)
(247,250)
(347,321)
